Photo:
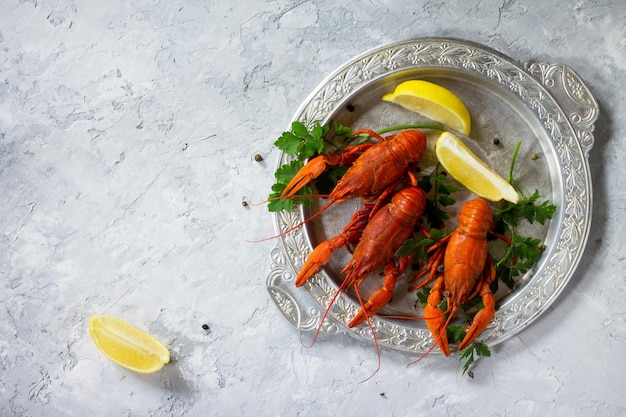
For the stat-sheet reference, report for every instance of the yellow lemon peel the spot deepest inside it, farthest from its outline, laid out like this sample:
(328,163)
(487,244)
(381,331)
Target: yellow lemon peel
(127,345)
(434,102)
(469,170)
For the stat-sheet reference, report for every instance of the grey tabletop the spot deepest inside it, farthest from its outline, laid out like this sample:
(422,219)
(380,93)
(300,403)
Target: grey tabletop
(128,135)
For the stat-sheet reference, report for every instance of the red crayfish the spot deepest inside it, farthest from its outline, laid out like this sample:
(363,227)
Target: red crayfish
(467,272)
(378,230)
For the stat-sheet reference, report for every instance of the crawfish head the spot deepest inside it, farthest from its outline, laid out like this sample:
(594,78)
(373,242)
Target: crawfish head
(381,165)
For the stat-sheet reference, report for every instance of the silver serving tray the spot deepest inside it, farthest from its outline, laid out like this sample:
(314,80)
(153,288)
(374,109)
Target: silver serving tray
(546,106)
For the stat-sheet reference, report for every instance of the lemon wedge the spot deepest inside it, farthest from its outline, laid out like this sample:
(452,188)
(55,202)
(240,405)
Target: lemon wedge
(434,102)
(127,345)
(465,167)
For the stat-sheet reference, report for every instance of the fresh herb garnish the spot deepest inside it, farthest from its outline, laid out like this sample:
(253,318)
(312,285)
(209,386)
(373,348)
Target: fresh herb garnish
(520,256)
(302,144)
(418,247)
(455,333)
(523,252)
(436,184)
(526,209)
(422,296)
(480,349)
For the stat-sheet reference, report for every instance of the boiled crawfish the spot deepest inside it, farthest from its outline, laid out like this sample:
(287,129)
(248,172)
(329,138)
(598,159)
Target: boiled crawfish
(375,167)
(376,171)
(386,230)
(467,272)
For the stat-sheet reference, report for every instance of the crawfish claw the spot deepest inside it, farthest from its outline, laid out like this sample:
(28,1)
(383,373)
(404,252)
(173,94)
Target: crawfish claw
(319,257)
(482,318)
(313,169)
(376,302)
(435,318)
(381,297)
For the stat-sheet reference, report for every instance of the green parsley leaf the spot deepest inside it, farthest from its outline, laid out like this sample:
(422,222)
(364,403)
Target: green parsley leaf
(480,349)
(446,200)
(526,209)
(417,247)
(439,188)
(326,182)
(425,184)
(444,187)
(286,172)
(521,255)
(288,142)
(341,130)
(299,129)
(456,333)
(422,296)
(300,142)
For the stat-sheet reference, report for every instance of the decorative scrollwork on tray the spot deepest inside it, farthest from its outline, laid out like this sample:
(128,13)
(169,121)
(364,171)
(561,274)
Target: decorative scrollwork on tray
(572,95)
(559,100)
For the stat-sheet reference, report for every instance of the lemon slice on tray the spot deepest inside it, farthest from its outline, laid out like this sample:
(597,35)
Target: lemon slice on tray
(127,345)
(434,102)
(465,167)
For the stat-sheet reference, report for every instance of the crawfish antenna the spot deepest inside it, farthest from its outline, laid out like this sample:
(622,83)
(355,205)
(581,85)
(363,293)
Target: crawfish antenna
(291,229)
(319,328)
(371,326)
(430,349)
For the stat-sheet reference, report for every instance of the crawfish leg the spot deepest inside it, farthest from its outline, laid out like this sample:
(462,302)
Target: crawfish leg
(381,297)
(382,198)
(324,251)
(436,253)
(431,269)
(370,133)
(435,318)
(482,318)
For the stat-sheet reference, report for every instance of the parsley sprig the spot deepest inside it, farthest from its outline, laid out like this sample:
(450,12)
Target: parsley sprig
(300,143)
(523,252)
(480,349)
(526,209)
(418,246)
(441,189)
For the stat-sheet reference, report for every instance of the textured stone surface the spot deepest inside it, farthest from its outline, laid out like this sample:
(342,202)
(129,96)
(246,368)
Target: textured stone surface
(127,139)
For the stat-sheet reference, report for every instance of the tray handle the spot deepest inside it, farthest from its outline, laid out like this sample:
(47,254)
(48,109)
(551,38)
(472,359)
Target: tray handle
(295,304)
(572,95)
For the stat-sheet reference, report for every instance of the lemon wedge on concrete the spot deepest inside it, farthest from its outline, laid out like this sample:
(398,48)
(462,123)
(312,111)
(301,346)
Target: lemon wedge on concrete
(127,345)
(465,167)
(434,102)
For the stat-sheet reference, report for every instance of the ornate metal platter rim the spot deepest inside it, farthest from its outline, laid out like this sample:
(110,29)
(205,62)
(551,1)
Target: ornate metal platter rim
(537,85)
